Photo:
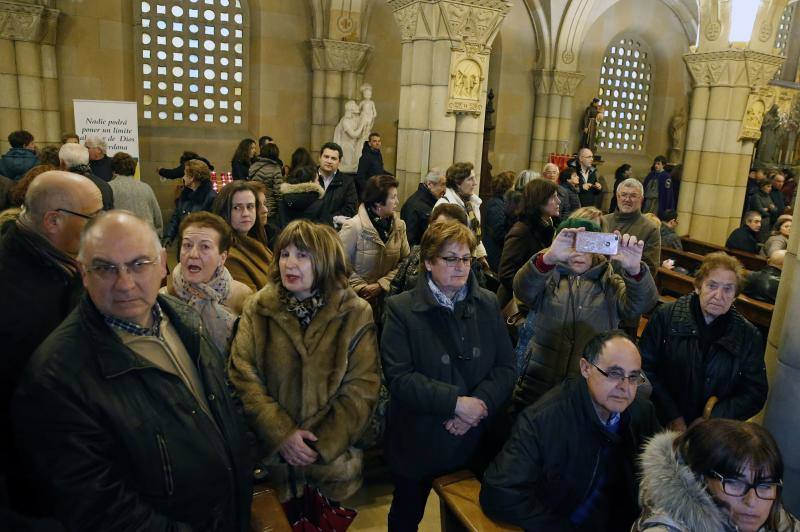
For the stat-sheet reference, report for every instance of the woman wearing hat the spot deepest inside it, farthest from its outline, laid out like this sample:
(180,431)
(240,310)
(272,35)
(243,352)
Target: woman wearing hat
(576,296)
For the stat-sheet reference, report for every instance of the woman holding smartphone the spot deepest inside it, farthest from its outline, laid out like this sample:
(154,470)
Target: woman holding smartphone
(575,296)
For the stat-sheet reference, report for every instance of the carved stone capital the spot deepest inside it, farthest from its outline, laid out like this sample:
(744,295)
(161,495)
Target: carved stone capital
(28,22)
(556,82)
(342,56)
(465,22)
(732,67)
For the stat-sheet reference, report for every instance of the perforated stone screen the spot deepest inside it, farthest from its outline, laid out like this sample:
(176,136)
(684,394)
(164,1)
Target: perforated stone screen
(625,77)
(192,62)
(782,35)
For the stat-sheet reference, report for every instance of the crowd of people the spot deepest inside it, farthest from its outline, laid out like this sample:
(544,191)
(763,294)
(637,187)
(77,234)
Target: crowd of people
(307,320)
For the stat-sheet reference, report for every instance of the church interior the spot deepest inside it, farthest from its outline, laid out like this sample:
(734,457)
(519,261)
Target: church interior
(507,85)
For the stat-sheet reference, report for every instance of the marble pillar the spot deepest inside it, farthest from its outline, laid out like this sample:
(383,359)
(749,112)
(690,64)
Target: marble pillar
(337,72)
(28,74)
(552,115)
(717,154)
(444,71)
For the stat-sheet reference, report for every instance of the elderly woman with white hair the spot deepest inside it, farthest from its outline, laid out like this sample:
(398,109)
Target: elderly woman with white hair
(550,172)
(75,158)
(98,158)
(525,177)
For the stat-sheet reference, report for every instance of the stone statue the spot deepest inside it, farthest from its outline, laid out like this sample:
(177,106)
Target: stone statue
(771,139)
(591,116)
(677,129)
(348,135)
(367,115)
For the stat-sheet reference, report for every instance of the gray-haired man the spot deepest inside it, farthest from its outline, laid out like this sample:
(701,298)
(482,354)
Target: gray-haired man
(417,208)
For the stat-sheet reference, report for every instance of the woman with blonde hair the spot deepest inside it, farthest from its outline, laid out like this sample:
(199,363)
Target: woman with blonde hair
(304,363)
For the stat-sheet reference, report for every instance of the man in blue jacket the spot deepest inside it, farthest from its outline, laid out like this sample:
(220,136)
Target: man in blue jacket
(21,157)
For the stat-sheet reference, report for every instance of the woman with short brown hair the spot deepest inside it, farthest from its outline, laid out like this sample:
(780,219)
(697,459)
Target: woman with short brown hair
(448,366)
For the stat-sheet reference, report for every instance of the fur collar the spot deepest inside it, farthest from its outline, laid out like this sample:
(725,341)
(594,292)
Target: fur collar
(669,487)
(301,188)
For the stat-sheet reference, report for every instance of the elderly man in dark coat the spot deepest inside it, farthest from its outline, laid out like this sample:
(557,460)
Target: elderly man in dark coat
(418,207)
(124,411)
(39,281)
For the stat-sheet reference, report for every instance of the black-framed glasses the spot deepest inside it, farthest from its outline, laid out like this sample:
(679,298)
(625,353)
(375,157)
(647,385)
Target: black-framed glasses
(619,377)
(108,271)
(78,214)
(737,487)
(453,261)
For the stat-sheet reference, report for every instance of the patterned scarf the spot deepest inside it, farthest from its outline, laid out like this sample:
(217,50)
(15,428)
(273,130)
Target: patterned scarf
(207,299)
(382,225)
(304,310)
(442,299)
(472,218)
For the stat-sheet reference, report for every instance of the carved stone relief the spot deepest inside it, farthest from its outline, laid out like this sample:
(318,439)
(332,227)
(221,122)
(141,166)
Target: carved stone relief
(467,73)
(26,22)
(339,55)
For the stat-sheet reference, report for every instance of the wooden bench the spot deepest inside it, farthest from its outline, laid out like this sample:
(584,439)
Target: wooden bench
(460,510)
(266,512)
(674,283)
(748,260)
(685,259)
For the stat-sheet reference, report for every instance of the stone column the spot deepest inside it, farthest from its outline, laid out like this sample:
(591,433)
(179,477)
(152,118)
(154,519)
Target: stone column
(338,70)
(443,79)
(28,75)
(719,141)
(552,115)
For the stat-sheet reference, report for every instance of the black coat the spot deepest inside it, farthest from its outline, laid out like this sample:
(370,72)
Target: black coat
(299,200)
(240,170)
(591,197)
(495,228)
(105,189)
(369,164)
(102,168)
(570,200)
(551,462)
(743,239)
(341,199)
(35,297)
(763,284)
(525,239)
(416,212)
(684,379)
(431,356)
(119,444)
(190,201)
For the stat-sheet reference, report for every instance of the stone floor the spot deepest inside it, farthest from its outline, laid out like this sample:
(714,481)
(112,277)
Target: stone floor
(372,502)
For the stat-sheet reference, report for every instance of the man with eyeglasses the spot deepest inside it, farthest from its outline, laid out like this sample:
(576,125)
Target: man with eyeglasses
(570,461)
(124,412)
(628,219)
(40,284)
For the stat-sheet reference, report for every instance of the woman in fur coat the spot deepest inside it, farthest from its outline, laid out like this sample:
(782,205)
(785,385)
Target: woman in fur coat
(305,365)
(720,475)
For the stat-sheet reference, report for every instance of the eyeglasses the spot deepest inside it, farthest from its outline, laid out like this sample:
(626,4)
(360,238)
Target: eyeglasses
(109,272)
(625,195)
(736,487)
(79,215)
(618,377)
(453,261)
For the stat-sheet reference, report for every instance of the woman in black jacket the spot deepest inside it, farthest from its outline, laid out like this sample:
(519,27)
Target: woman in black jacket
(701,355)
(568,182)
(243,158)
(448,365)
(177,172)
(197,195)
(531,234)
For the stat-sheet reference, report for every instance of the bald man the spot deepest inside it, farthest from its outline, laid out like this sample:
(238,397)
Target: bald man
(123,412)
(763,284)
(39,278)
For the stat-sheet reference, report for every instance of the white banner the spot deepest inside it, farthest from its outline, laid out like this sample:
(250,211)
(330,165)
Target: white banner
(116,122)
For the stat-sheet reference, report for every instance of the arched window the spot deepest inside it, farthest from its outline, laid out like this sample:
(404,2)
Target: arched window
(625,78)
(193,55)
(782,35)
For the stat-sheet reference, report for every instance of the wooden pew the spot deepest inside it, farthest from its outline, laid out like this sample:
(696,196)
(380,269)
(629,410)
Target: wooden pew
(460,510)
(748,260)
(684,259)
(673,283)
